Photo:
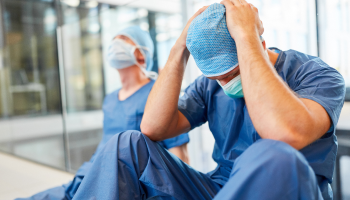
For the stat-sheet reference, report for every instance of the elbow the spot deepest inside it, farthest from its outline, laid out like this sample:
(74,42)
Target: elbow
(295,140)
(297,137)
(149,131)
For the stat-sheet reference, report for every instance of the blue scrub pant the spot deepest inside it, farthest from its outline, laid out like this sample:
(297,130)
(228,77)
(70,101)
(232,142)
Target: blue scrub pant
(131,166)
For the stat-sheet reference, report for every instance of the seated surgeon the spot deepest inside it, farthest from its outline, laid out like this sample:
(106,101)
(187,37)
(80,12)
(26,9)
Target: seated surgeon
(130,52)
(273,118)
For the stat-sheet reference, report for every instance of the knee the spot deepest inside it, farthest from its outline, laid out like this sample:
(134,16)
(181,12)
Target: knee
(274,154)
(276,148)
(131,139)
(280,153)
(126,141)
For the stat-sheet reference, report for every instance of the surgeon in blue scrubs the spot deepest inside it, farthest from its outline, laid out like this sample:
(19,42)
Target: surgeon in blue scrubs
(131,53)
(272,113)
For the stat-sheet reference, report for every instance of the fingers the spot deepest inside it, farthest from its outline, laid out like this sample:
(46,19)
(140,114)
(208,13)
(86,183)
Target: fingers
(254,8)
(236,2)
(227,3)
(232,3)
(261,28)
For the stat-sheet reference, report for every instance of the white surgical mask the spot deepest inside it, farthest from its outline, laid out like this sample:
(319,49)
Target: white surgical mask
(121,55)
(233,88)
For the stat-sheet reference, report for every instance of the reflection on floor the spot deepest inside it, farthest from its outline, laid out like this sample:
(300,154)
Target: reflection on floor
(82,146)
(49,150)
(21,178)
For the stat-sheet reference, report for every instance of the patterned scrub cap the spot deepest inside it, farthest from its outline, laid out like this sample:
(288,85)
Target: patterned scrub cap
(210,42)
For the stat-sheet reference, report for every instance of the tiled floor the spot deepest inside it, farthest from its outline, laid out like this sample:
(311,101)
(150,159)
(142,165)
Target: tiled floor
(21,178)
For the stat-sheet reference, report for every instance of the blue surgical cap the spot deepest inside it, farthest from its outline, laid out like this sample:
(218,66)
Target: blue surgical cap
(210,42)
(141,38)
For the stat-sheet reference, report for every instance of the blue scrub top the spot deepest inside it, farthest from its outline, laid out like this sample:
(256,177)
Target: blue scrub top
(127,115)
(232,128)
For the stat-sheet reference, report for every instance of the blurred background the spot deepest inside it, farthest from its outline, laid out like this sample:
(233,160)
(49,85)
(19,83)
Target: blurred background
(54,75)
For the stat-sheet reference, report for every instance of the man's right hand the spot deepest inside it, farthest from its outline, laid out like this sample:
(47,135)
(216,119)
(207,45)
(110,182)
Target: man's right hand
(242,19)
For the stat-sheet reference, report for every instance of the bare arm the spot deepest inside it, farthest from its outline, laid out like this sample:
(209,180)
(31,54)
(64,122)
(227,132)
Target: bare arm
(181,152)
(276,112)
(162,119)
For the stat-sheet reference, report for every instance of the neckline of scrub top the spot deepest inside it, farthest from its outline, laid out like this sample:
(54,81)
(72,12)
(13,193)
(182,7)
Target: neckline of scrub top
(279,59)
(134,92)
(280,52)
(275,49)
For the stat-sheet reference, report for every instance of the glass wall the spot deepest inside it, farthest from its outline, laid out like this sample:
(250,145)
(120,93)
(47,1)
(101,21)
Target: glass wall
(30,106)
(54,75)
(334,32)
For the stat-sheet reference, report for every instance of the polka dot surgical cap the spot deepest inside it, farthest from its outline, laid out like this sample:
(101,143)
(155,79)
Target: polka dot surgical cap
(210,42)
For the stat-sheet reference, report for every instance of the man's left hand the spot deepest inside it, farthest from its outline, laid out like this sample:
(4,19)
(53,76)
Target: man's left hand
(242,19)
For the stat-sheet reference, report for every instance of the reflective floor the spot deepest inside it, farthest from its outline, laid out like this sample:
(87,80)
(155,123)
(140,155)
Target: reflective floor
(22,178)
(49,150)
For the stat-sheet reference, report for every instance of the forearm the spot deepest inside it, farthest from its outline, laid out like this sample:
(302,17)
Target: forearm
(161,111)
(161,119)
(276,112)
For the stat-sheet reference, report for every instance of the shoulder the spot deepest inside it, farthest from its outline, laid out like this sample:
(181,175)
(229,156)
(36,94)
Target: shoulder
(295,59)
(295,67)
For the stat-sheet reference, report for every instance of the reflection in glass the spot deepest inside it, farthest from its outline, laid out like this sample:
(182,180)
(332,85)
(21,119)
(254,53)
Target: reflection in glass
(30,119)
(33,83)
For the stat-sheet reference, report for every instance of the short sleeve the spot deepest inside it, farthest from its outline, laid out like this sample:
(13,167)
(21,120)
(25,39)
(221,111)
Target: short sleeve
(317,81)
(191,103)
(176,141)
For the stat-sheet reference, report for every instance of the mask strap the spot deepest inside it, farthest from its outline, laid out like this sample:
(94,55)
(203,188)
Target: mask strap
(149,74)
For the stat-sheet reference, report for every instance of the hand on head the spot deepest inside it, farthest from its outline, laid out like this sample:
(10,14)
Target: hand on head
(242,19)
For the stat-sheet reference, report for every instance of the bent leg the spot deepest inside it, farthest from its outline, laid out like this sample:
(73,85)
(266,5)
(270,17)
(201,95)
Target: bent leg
(271,170)
(131,166)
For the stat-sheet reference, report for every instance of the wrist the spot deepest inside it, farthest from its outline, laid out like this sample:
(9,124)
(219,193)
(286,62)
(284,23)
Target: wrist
(179,46)
(179,52)
(247,39)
